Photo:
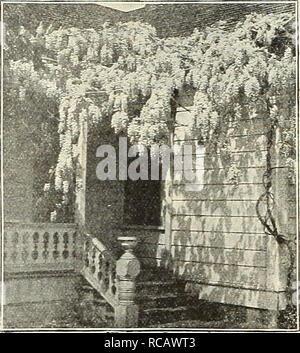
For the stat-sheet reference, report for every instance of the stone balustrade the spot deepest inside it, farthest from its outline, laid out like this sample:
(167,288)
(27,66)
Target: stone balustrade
(113,279)
(99,269)
(32,247)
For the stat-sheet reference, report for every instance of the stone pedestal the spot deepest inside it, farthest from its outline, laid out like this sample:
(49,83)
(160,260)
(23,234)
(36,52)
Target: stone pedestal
(127,269)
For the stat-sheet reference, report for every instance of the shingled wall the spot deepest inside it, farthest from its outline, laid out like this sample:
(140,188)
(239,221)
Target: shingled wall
(216,240)
(213,237)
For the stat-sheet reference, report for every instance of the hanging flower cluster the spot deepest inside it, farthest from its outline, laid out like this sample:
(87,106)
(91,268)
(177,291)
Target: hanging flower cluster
(243,74)
(282,78)
(125,74)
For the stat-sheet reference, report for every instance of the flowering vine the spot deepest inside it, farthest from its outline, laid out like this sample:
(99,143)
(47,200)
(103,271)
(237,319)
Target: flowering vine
(126,74)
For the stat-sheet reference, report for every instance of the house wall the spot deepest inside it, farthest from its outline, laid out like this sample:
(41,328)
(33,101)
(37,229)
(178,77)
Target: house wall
(213,237)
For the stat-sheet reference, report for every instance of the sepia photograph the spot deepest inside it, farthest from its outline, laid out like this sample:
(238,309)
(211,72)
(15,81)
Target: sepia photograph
(149,167)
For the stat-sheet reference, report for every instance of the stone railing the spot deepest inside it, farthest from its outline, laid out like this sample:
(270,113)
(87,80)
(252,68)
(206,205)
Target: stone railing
(34,247)
(113,279)
(99,269)
(30,247)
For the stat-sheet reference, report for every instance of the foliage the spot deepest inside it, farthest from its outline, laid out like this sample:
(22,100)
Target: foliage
(125,74)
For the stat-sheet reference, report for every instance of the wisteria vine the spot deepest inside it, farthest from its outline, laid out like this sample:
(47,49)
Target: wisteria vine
(124,73)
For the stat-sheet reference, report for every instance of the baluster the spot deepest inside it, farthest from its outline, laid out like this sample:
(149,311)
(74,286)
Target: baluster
(127,269)
(25,243)
(114,281)
(112,287)
(45,253)
(93,256)
(106,277)
(35,240)
(86,252)
(90,256)
(61,245)
(65,252)
(105,271)
(55,246)
(100,264)
(96,261)
(74,245)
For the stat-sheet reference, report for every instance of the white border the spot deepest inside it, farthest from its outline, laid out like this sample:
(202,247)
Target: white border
(297,162)
(2,183)
(162,330)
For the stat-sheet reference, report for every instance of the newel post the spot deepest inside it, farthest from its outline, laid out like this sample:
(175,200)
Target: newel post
(127,269)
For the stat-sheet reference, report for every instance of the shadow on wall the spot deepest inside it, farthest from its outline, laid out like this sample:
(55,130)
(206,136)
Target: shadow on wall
(217,239)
